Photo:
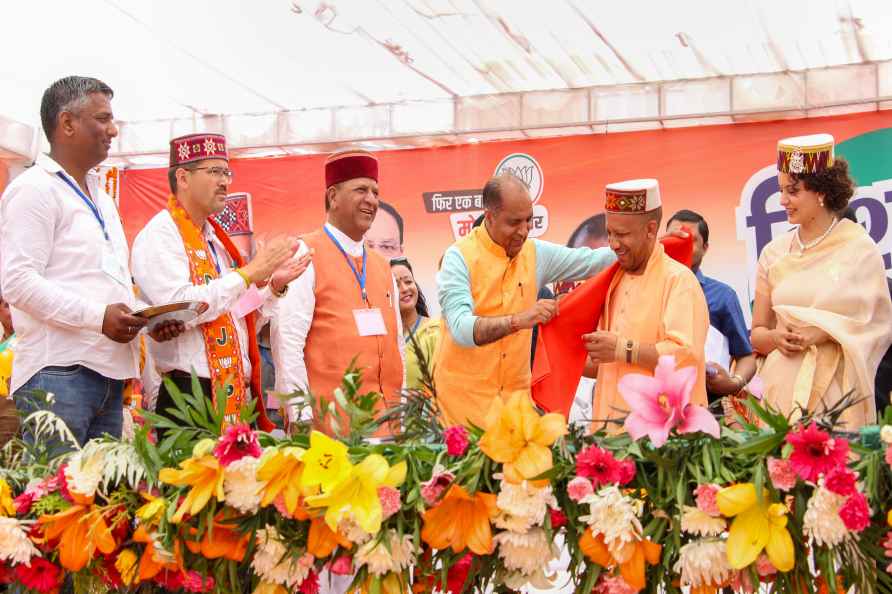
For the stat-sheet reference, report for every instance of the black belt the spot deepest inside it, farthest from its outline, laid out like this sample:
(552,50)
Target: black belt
(184,375)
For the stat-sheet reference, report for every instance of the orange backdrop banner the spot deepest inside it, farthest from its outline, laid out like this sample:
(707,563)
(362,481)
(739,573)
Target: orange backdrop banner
(436,190)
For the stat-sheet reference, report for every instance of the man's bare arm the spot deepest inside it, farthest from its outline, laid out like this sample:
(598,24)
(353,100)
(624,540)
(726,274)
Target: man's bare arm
(487,330)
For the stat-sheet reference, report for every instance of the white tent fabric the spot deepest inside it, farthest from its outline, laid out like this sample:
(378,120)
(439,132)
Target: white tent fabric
(296,76)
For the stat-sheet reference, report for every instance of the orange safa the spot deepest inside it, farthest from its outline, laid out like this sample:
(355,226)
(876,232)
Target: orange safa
(521,439)
(638,554)
(461,521)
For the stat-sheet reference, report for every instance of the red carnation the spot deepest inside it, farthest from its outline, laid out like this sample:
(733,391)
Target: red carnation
(855,512)
(558,518)
(599,465)
(310,585)
(169,580)
(7,574)
(23,503)
(456,440)
(626,471)
(41,575)
(458,575)
(841,481)
(815,452)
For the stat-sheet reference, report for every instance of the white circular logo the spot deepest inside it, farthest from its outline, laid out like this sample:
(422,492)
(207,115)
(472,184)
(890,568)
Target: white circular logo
(527,169)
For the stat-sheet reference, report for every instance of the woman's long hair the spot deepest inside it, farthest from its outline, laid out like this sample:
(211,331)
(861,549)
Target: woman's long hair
(421,304)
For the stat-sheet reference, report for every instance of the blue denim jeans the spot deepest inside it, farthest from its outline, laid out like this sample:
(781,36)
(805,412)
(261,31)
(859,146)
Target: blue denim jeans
(89,403)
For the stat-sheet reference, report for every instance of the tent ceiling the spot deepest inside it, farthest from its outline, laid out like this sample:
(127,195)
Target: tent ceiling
(421,72)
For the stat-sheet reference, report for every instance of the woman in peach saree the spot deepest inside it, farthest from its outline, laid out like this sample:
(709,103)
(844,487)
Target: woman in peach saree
(822,316)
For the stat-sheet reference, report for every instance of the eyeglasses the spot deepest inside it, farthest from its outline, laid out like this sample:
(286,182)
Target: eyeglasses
(217,172)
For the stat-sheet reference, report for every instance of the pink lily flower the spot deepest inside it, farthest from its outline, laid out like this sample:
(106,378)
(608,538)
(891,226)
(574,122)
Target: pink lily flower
(663,402)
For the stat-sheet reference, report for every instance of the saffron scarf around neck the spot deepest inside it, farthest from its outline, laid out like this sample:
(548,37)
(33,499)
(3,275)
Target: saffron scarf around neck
(560,352)
(221,342)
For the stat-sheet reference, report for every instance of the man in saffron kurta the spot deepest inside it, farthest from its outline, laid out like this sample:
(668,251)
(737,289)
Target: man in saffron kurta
(487,288)
(654,305)
(346,305)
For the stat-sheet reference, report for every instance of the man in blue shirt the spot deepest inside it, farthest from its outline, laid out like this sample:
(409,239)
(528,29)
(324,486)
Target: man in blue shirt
(728,338)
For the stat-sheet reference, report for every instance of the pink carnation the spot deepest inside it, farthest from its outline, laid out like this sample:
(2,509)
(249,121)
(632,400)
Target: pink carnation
(855,512)
(342,566)
(23,503)
(579,488)
(627,471)
(599,465)
(742,582)
(706,502)
(841,481)
(195,582)
(887,544)
(432,490)
(782,475)
(310,585)
(889,455)
(62,483)
(279,503)
(390,501)
(237,442)
(815,452)
(456,440)
(764,566)
(613,585)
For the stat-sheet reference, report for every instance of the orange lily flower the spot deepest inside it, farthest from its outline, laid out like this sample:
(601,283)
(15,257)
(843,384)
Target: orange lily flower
(151,564)
(204,474)
(518,437)
(281,470)
(635,555)
(322,540)
(223,541)
(461,520)
(81,530)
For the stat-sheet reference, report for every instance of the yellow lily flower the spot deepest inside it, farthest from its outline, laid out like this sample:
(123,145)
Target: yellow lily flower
(150,513)
(128,566)
(7,508)
(518,437)
(358,493)
(325,464)
(270,588)
(757,526)
(281,469)
(204,474)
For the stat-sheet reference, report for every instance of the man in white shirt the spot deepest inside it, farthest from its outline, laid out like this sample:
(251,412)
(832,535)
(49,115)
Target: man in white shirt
(346,304)
(65,269)
(184,255)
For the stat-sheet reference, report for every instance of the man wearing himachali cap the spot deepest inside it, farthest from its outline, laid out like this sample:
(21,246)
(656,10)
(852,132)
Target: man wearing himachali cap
(183,254)
(654,305)
(346,305)
(822,311)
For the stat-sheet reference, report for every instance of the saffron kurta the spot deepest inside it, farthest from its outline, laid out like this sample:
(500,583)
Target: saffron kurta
(479,279)
(840,287)
(664,306)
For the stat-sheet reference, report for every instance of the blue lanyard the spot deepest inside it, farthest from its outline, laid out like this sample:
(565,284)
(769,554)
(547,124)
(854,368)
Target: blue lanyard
(215,257)
(360,278)
(87,201)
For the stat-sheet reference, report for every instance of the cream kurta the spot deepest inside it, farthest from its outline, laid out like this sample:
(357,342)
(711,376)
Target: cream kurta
(840,287)
(664,306)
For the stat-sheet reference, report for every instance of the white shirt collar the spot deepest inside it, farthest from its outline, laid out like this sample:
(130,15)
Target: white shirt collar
(52,167)
(351,246)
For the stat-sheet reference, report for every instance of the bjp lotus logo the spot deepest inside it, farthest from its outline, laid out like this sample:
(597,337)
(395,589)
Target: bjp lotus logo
(525,168)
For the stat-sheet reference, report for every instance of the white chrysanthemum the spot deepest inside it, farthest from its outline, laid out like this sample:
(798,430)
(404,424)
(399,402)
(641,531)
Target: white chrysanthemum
(525,552)
(522,506)
(243,491)
(15,546)
(84,471)
(394,555)
(613,515)
(886,434)
(273,563)
(697,522)
(821,520)
(352,531)
(538,579)
(703,563)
